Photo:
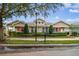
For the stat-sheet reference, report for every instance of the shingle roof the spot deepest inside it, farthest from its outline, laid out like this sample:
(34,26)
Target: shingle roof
(62,22)
(38,19)
(16,22)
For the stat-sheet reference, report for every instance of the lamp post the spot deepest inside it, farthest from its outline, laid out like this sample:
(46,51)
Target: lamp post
(36,14)
(36,28)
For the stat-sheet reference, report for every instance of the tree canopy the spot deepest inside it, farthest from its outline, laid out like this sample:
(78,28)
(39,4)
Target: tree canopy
(8,10)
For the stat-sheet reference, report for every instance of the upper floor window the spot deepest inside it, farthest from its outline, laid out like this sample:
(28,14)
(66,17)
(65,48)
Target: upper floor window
(39,22)
(42,22)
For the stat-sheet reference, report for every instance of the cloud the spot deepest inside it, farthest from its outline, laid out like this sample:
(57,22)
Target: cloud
(73,20)
(57,17)
(67,5)
(70,5)
(68,19)
(74,10)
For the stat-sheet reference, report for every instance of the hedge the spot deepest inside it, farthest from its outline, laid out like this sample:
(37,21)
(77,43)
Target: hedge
(20,34)
(74,34)
(59,34)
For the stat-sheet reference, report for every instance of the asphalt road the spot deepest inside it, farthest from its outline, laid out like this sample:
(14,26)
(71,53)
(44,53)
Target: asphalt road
(56,51)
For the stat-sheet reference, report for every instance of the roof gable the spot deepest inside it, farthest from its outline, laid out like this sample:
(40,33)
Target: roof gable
(61,24)
(17,22)
(39,20)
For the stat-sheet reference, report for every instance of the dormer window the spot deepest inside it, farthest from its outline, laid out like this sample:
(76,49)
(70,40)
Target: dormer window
(42,22)
(39,22)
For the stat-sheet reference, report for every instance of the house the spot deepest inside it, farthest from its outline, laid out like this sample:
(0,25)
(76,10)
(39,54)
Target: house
(75,27)
(16,26)
(42,26)
(61,27)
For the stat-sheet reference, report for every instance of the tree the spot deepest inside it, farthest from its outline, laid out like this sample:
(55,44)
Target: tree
(50,29)
(9,10)
(73,28)
(26,29)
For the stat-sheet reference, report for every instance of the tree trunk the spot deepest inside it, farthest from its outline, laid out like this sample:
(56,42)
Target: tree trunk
(1,30)
(45,38)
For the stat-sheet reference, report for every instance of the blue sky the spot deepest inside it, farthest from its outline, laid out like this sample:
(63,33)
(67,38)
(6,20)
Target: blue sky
(69,13)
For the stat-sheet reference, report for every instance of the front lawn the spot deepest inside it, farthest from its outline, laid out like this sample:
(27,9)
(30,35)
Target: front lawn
(42,42)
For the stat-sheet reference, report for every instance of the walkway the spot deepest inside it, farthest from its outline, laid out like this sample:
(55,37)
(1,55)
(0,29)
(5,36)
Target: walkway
(48,38)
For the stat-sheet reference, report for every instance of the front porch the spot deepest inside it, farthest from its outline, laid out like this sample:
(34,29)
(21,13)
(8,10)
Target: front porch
(61,29)
(39,29)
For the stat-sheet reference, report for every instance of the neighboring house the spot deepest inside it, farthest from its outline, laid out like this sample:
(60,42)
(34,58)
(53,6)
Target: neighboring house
(42,26)
(61,27)
(17,26)
(75,27)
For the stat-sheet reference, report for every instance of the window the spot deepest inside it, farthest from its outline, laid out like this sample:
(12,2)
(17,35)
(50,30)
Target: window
(43,29)
(57,30)
(46,29)
(42,22)
(39,22)
(31,29)
(20,29)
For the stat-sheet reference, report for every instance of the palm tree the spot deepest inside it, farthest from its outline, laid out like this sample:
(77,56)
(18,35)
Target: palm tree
(8,10)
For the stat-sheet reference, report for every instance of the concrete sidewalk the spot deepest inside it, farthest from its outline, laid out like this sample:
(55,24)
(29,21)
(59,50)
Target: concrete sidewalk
(48,38)
(38,45)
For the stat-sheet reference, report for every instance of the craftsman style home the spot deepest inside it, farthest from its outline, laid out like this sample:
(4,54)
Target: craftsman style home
(42,26)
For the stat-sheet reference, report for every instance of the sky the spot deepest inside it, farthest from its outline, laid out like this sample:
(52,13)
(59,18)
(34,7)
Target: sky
(69,13)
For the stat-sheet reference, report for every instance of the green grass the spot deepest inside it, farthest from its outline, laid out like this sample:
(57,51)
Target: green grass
(42,42)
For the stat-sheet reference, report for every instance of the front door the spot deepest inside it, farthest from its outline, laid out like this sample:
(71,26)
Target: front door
(61,29)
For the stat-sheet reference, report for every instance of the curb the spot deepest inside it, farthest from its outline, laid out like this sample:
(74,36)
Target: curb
(38,45)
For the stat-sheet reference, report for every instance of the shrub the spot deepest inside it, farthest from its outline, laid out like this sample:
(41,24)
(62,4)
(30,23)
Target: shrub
(50,29)
(74,34)
(26,29)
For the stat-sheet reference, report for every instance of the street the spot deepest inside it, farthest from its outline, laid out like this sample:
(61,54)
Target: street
(56,51)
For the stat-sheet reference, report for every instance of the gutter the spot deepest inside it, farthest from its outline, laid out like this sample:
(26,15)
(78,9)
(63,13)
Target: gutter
(38,45)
